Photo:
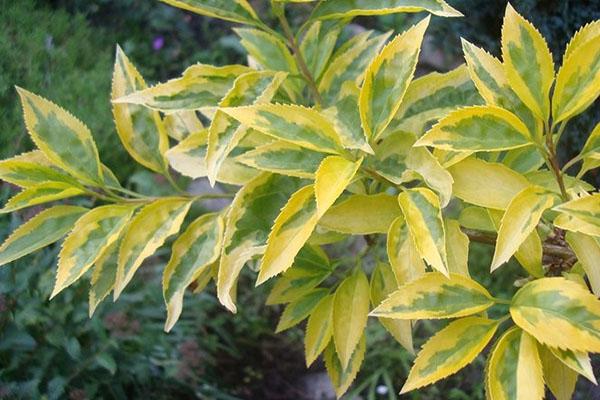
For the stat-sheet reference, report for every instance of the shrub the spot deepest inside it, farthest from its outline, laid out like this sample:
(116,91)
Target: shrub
(339,143)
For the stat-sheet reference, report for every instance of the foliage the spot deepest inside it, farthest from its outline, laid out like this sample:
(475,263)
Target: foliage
(338,142)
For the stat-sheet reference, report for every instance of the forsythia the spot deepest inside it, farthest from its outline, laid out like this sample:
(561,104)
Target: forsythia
(329,141)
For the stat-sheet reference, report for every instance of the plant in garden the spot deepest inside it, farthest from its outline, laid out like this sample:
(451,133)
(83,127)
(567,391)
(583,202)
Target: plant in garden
(334,142)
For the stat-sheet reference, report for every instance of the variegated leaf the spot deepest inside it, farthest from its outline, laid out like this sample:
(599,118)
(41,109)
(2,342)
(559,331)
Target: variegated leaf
(303,126)
(558,313)
(230,10)
(141,130)
(422,213)
(502,184)
(351,8)
(29,169)
(519,221)
(298,310)
(435,176)
(577,361)
(192,253)
(435,296)
(319,329)
(403,255)
(574,224)
(51,127)
(586,208)
(451,349)
(180,125)
(514,369)
(377,212)
(560,379)
(387,78)
(40,194)
(92,234)
(247,225)
(318,43)
(348,327)
(457,248)
(478,128)
(331,179)
(587,250)
(341,377)
(104,275)
(45,228)
(146,232)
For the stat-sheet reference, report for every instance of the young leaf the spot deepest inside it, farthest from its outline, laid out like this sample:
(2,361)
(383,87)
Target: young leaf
(478,128)
(283,158)
(377,212)
(558,313)
(586,208)
(331,179)
(247,225)
(141,130)
(527,62)
(104,275)
(193,252)
(587,250)
(402,253)
(450,350)
(201,87)
(319,329)
(303,126)
(422,213)
(91,235)
(387,78)
(45,228)
(296,311)
(502,184)
(383,283)
(348,327)
(514,369)
(341,377)
(146,232)
(51,127)
(230,10)
(351,8)
(560,379)
(519,221)
(434,296)
(39,194)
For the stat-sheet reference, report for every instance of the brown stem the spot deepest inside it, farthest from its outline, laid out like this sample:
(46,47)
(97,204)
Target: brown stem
(312,85)
(490,238)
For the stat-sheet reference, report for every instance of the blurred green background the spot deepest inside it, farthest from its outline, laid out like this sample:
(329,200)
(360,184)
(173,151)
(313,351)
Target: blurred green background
(63,50)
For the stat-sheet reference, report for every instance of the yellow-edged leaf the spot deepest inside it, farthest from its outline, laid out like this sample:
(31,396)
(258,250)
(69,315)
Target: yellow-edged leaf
(574,224)
(351,8)
(331,179)
(31,168)
(230,10)
(348,327)
(403,255)
(39,194)
(435,296)
(340,377)
(146,232)
(586,208)
(435,176)
(422,213)
(92,234)
(319,329)
(587,250)
(193,252)
(450,350)
(104,275)
(45,228)
(296,311)
(559,313)
(576,360)
(560,379)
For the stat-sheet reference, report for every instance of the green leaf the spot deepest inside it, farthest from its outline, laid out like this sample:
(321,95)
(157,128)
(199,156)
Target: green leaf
(341,377)
(319,329)
(45,228)
(318,43)
(65,140)
(141,130)
(193,252)
(351,8)
(247,226)
(387,78)
(514,369)
(298,310)
(39,194)
(451,349)
(519,221)
(348,327)
(558,313)
(303,126)
(377,212)
(422,213)
(230,10)
(435,296)
(92,234)
(527,62)
(146,232)
(478,128)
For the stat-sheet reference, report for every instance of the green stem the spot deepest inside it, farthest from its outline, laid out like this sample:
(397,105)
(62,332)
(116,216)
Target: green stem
(174,184)
(128,192)
(501,301)
(571,162)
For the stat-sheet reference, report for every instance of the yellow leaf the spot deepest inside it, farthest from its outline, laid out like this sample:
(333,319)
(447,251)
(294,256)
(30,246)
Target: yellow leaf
(331,179)
(435,176)
(587,250)
(527,62)
(348,327)
(403,255)
(450,350)
(560,379)
(231,10)
(586,208)
(340,377)
(576,360)
(319,329)
(422,213)
(351,8)
(574,224)
(457,248)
